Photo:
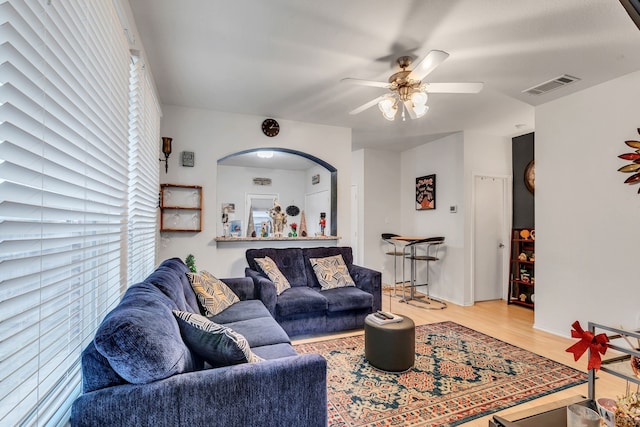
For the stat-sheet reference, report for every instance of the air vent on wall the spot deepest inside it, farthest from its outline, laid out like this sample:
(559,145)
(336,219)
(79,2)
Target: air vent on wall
(551,85)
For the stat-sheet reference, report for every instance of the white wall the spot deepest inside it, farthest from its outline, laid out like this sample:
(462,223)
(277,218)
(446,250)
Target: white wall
(381,208)
(213,135)
(357,181)
(587,229)
(445,158)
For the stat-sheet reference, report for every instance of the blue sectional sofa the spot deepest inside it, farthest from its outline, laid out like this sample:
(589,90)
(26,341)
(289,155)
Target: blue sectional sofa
(138,371)
(305,308)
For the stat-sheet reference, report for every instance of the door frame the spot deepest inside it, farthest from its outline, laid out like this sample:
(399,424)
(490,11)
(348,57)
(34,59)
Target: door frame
(507,201)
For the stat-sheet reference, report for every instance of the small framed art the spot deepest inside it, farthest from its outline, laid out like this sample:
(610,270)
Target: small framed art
(426,192)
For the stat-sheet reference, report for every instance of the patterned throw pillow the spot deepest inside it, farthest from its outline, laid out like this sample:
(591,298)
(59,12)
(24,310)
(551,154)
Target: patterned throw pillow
(216,344)
(271,269)
(331,272)
(212,293)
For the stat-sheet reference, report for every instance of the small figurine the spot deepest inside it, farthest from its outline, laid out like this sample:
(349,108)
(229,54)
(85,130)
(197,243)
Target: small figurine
(323,222)
(522,257)
(523,297)
(279,218)
(294,229)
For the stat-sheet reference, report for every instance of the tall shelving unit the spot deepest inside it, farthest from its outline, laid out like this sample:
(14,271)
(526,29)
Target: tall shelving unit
(522,267)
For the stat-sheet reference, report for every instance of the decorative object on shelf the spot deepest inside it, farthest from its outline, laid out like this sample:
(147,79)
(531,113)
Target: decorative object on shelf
(303,224)
(227,210)
(408,91)
(235,228)
(426,192)
(251,229)
(279,218)
(323,222)
(264,232)
(522,257)
(292,210)
(532,234)
(530,176)
(525,233)
(166,150)
(597,344)
(270,127)
(294,230)
(191,263)
(632,167)
(188,159)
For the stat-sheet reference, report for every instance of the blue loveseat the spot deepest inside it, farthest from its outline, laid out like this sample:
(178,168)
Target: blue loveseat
(305,308)
(139,372)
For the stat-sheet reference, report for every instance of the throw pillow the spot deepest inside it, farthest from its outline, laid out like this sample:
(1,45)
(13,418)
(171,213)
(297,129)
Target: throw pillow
(271,269)
(331,272)
(218,345)
(213,294)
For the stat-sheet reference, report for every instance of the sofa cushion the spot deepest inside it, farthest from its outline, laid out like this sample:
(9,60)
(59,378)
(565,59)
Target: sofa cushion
(175,283)
(342,299)
(243,310)
(213,294)
(140,337)
(323,252)
(301,299)
(269,267)
(331,272)
(275,351)
(218,345)
(289,261)
(261,331)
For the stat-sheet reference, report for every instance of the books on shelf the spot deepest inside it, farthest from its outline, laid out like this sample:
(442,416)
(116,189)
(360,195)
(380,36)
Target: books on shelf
(385,318)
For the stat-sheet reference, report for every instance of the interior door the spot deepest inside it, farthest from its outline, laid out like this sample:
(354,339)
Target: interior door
(489,237)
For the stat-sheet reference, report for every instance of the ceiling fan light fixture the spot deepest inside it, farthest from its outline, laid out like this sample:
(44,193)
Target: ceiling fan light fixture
(419,98)
(388,107)
(420,110)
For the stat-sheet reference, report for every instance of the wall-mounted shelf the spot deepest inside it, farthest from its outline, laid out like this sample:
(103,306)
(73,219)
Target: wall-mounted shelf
(522,271)
(180,208)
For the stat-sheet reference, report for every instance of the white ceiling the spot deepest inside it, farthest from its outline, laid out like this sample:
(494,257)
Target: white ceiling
(285,58)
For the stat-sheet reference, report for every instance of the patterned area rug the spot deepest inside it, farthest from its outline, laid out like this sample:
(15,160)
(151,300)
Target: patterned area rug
(460,374)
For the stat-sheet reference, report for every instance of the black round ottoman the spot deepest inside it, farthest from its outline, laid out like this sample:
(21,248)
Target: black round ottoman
(392,346)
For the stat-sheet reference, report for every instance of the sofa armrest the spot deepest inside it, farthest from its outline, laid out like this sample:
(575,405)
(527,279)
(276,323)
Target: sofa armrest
(265,290)
(290,391)
(369,281)
(243,287)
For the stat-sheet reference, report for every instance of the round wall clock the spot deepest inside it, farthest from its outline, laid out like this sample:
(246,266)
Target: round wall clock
(270,127)
(530,176)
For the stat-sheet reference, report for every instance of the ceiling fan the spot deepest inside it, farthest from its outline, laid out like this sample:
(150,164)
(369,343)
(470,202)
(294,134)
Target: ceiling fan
(408,91)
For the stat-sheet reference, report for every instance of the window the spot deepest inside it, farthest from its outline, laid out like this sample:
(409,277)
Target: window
(144,134)
(64,184)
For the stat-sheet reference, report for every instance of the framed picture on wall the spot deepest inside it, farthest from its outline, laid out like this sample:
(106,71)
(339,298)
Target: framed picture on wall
(426,192)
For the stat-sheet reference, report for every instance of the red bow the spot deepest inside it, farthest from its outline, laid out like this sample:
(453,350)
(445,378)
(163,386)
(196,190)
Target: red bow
(597,344)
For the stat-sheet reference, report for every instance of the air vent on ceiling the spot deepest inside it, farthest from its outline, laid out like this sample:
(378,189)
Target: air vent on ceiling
(551,85)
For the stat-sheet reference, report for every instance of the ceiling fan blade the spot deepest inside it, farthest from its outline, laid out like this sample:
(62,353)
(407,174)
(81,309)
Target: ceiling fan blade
(369,104)
(408,106)
(428,64)
(364,82)
(473,87)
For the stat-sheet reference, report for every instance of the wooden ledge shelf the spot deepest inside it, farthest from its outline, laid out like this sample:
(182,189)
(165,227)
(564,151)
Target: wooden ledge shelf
(273,239)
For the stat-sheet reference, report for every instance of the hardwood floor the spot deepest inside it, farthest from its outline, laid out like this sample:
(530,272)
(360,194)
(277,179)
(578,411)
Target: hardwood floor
(510,323)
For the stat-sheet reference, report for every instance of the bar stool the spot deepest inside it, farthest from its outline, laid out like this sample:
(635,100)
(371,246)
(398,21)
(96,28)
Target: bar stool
(432,245)
(395,252)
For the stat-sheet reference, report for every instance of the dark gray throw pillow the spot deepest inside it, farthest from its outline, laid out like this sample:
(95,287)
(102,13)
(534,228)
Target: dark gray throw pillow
(218,345)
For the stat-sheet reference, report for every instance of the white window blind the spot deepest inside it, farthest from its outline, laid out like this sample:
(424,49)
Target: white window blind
(144,137)
(64,75)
